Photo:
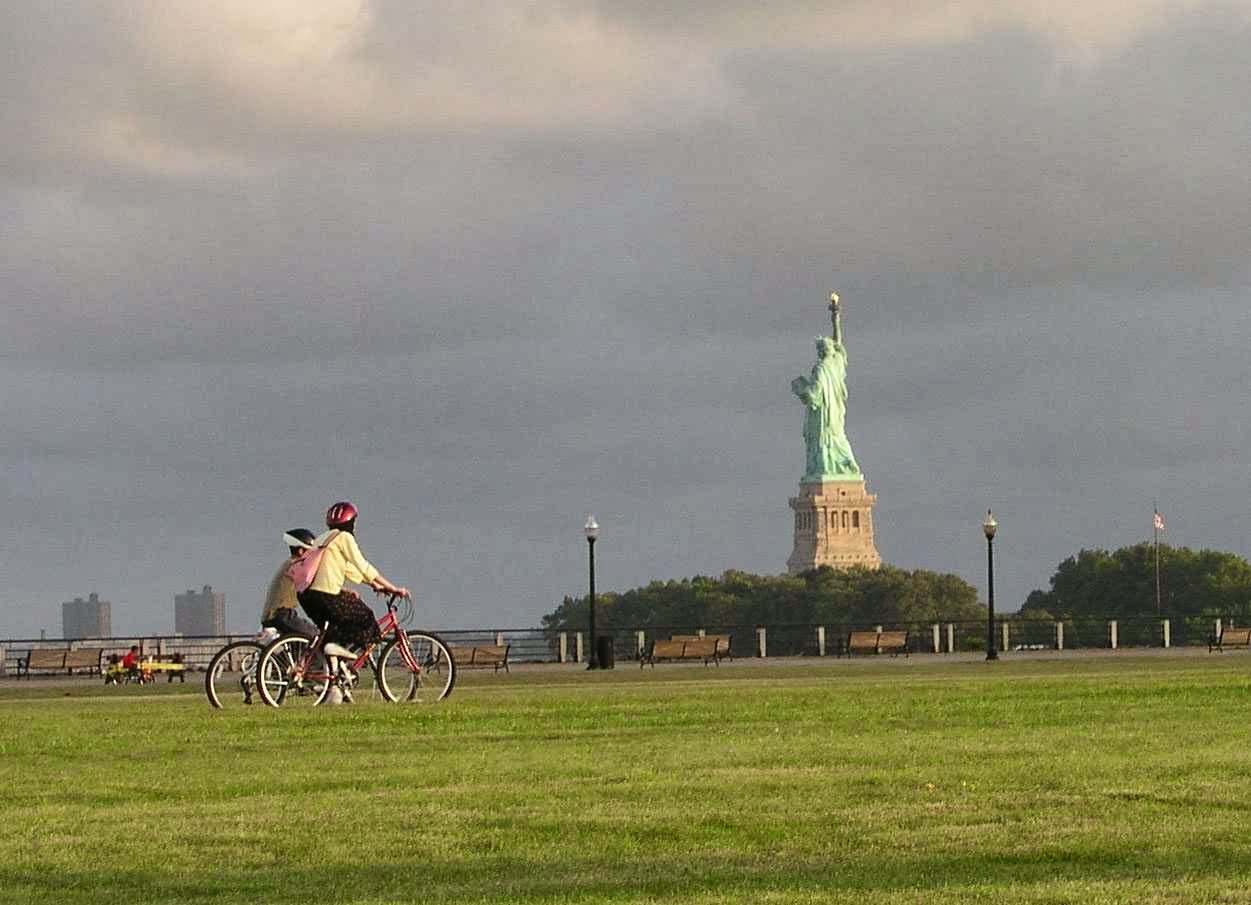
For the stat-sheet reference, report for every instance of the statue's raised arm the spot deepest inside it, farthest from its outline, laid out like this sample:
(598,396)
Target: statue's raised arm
(836,321)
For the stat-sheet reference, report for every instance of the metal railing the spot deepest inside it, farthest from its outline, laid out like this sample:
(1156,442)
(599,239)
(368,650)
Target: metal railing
(537,645)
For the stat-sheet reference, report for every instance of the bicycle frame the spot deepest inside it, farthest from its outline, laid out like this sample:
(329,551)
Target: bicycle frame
(387,624)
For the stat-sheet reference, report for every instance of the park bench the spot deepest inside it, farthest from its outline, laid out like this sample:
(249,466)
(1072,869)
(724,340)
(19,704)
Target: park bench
(481,656)
(42,659)
(1230,637)
(723,643)
(892,642)
(861,643)
(57,660)
(83,659)
(676,649)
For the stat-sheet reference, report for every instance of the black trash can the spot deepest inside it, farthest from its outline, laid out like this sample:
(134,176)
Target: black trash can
(603,652)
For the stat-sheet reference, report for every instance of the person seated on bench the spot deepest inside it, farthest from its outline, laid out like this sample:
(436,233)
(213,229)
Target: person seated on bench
(111,671)
(180,673)
(130,663)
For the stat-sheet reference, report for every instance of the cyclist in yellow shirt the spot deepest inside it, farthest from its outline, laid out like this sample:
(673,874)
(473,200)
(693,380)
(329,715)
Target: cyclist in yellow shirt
(352,622)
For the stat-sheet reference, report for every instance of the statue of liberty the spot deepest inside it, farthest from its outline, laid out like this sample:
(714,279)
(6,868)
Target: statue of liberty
(824,394)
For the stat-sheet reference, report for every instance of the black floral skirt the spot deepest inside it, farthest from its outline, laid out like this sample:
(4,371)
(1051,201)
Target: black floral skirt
(352,622)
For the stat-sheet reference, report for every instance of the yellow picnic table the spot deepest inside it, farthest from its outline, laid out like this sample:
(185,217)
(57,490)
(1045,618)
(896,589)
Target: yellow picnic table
(147,670)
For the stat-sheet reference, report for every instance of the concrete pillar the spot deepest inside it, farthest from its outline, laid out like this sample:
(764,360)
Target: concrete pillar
(878,629)
(160,647)
(577,646)
(951,638)
(562,649)
(700,632)
(641,643)
(938,644)
(1217,629)
(1168,639)
(1003,628)
(499,639)
(1112,639)
(1059,636)
(820,640)
(761,648)
(4,656)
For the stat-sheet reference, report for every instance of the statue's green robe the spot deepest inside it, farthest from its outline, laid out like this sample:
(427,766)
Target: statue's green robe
(825,395)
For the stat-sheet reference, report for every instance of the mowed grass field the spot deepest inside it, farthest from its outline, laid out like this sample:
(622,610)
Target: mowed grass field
(1094,780)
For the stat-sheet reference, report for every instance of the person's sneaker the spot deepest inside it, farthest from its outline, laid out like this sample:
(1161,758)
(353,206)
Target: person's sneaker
(335,695)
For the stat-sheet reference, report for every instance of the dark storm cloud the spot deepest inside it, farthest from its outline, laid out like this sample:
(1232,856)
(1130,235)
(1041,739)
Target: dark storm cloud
(518,297)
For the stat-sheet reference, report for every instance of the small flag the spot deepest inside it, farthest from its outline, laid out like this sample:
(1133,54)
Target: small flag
(1158,522)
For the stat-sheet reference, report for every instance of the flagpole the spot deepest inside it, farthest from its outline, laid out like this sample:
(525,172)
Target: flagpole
(1155,532)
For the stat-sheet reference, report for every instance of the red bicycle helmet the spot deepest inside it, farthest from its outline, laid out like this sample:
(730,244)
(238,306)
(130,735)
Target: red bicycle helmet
(340,515)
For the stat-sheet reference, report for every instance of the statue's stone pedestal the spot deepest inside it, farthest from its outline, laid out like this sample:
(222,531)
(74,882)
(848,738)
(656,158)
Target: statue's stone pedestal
(833,527)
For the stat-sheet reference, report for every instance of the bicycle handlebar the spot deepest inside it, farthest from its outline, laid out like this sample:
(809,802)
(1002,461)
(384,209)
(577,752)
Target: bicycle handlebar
(393,606)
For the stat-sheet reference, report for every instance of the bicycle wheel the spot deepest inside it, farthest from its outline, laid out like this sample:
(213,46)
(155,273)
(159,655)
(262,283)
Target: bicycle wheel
(231,675)
(435,675)
(290,675)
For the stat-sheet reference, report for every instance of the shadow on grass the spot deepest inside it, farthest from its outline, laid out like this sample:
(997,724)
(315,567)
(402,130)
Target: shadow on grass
(667,877)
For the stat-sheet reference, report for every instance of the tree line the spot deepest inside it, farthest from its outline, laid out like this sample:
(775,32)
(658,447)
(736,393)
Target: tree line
(1093,583)
(820,597)
(1122,583)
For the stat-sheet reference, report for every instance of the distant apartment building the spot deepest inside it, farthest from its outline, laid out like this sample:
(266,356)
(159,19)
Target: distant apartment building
(200,612)
(90,618)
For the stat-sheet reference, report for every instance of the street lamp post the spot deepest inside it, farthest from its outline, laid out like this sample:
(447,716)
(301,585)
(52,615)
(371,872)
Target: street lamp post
(592,532)
(989,527)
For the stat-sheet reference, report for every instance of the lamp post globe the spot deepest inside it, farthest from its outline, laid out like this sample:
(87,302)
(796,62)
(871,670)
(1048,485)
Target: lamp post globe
(591,530)
(989,527)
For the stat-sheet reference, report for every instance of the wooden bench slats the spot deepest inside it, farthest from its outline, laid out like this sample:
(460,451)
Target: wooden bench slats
(45,659)
(481,656)
(862,642)
(667,650)
(1231,637)
(56,659)
(83,659)
(709,648)
(890,642)
(723,643)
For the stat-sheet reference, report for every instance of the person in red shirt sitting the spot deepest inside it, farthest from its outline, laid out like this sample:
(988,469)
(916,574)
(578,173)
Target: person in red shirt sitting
(130,663)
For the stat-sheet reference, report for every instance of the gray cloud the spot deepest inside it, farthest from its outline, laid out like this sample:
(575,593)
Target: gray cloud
(242,302)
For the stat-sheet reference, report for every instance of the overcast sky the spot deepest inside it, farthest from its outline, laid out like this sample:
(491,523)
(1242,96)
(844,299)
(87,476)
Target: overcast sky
(486,268)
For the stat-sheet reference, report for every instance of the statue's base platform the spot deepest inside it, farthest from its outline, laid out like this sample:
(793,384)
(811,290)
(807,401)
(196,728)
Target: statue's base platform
(833,526)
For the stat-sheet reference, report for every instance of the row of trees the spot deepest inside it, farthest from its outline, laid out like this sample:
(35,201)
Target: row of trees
(1122,584)
(1094,583)
(823,597)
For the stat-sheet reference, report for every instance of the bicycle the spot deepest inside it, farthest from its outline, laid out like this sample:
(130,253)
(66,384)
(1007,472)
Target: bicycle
(232,671)
(412,666)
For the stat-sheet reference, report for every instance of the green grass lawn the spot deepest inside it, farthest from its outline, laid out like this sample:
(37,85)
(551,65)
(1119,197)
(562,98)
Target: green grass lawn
(1098,780)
